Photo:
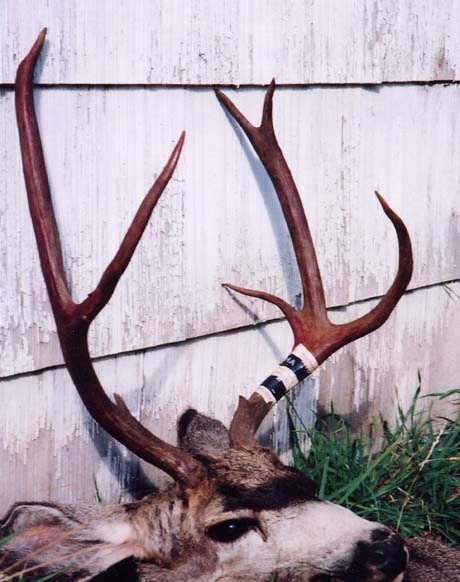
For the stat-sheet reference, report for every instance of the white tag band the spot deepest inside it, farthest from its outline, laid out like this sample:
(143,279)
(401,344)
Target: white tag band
(298,365)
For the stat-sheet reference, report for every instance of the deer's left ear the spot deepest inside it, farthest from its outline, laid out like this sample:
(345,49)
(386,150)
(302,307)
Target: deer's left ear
(47,539)
(199,434)
(22,516)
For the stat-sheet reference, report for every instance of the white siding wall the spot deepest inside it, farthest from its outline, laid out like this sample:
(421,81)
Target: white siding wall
(354,113)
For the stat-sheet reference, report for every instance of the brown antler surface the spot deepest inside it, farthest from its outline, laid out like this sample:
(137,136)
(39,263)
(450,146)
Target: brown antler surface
(315,336)
(73,319)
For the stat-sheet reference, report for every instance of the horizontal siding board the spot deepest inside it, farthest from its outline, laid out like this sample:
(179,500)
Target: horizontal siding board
(203,42)
(218,220)
(49,448)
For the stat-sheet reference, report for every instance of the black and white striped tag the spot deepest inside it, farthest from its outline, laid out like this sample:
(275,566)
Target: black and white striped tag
(298,365)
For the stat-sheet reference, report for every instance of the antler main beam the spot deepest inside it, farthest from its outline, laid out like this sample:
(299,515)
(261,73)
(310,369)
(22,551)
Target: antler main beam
(73,319)
(315,336)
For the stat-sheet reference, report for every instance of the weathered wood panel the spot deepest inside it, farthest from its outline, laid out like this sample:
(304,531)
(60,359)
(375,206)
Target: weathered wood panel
(218,220)
(234,41)
(49,448)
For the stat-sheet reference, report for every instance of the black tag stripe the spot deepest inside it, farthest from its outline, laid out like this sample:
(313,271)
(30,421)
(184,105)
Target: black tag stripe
(275,386)
(295,364)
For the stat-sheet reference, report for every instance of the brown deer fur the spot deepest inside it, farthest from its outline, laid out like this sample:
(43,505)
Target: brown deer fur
(166,532)
(432,561)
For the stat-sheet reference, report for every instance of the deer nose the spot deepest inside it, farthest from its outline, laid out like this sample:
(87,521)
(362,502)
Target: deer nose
(383,554)
(386,554)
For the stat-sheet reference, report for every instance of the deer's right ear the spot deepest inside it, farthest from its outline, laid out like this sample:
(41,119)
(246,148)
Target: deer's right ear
(200,435)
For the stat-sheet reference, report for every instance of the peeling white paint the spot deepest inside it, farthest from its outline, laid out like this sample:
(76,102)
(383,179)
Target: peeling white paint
(235,42)
(218,220)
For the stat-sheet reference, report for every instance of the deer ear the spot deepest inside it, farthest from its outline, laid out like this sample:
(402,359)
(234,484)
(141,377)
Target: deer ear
(25,515)
(47,539)
(200,435)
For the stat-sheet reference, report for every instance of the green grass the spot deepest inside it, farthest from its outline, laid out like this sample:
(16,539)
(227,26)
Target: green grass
(408,478)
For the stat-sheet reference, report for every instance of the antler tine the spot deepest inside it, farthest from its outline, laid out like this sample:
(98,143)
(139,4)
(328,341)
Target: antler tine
(109,280)
(72,319)
(37,180)
(382,311)
(315,337)
(264,141)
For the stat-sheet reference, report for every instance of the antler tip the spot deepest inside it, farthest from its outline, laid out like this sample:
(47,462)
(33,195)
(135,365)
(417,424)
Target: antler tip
(267,120)
(174,158)
(380,198)
(231,287)
(119,401)
(181,139)
(220,96)
(38,44)
(27,65)
(384,204)
(235,288)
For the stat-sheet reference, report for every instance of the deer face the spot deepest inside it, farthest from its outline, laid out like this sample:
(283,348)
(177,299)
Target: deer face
(265,518)
(249,518)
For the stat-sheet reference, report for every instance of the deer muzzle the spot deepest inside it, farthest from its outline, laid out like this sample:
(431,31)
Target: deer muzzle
(383,560)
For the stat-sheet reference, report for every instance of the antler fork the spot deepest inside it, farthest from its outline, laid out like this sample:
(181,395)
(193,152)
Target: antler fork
(73,319)
(315,336)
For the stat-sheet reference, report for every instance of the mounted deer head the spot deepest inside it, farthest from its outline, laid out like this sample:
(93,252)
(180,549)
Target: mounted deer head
(234,512)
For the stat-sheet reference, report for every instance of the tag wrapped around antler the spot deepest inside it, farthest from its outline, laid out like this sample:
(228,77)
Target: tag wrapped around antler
(296,367)
(315,336)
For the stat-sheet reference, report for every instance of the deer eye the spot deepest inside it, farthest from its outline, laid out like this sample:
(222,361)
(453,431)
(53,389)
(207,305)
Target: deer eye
(232,529)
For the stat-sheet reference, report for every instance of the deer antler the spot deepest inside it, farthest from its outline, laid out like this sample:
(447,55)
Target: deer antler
(315,336)
(74,319)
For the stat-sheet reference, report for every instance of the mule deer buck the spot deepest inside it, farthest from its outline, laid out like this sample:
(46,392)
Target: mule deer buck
(234,511)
